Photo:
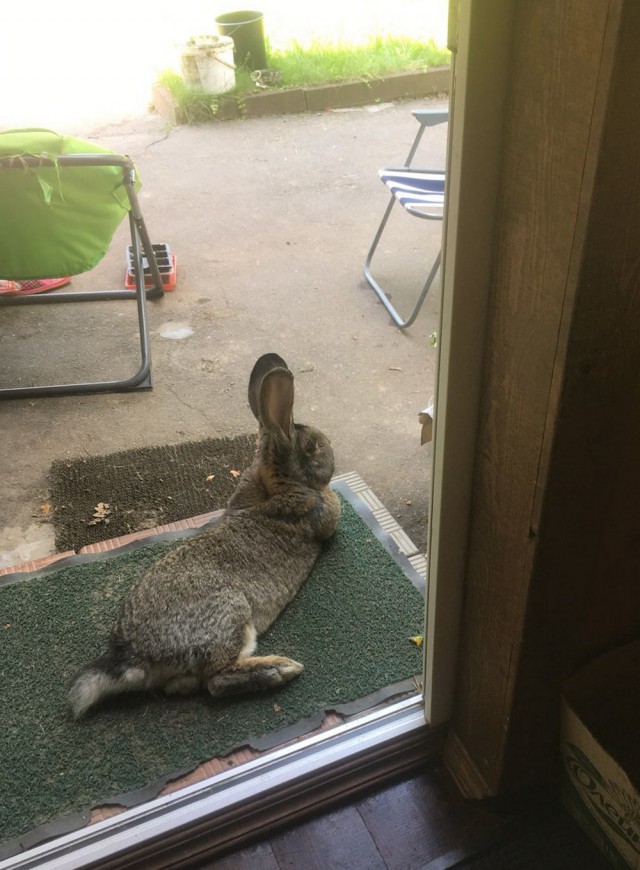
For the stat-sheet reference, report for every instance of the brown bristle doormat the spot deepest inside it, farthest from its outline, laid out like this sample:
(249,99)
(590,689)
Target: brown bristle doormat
(96,498)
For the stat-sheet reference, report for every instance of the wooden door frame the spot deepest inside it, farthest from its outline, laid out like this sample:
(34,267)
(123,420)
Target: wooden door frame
(553,526)
(479,38)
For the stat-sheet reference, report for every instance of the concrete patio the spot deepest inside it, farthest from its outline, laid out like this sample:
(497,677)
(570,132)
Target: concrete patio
(271,219)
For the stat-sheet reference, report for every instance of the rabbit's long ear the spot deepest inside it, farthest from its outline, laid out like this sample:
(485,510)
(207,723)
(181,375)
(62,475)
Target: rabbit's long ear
(263,366)
(276,401)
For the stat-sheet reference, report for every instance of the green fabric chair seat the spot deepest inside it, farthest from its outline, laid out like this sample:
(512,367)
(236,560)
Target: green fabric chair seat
(62,202)
(83,207)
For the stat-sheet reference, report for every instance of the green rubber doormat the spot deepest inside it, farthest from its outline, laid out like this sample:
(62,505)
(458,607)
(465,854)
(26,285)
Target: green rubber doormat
(143,488)
(351,625)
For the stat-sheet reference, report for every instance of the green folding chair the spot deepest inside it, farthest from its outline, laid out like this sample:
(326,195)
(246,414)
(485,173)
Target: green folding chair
(62,201)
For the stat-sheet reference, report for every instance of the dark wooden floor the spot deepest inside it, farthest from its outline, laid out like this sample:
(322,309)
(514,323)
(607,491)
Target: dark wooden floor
(422,822)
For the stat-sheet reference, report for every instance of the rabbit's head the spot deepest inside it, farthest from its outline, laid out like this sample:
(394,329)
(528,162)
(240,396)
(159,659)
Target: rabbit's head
(288,451)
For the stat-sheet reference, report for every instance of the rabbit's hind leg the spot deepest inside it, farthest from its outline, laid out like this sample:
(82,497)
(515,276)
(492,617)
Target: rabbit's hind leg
(253,674)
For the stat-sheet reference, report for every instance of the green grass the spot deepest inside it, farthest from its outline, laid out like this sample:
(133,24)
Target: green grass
(314,64)
(192,106)
(327,62)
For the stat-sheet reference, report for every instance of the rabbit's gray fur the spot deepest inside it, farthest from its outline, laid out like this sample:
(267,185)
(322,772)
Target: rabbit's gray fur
(192,620)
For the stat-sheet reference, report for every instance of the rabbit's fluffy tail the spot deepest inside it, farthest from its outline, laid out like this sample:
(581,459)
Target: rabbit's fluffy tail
(103,677)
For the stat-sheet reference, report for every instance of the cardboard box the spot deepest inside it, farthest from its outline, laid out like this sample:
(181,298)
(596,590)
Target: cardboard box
(601,753)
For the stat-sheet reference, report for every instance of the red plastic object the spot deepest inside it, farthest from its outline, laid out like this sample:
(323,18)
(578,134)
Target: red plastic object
(167,266)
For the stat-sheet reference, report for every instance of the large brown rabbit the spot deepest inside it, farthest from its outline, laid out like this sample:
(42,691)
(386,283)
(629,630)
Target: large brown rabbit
(192,620)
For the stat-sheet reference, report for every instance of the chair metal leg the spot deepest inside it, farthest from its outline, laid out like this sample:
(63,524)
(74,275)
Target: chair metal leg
(141,379)
(397,319)
(375,286)
(136,219)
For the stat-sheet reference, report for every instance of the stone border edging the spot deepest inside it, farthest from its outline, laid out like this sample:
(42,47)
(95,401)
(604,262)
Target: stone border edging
(315,98)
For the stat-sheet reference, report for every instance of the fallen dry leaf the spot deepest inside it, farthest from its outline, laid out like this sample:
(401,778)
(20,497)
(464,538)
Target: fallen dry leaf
(100,514)
(210,476)
(277,708)
(234,473)
(44,513)
(417,639)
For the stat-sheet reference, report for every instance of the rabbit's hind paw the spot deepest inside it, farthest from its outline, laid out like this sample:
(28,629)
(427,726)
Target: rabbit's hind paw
(254,674)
